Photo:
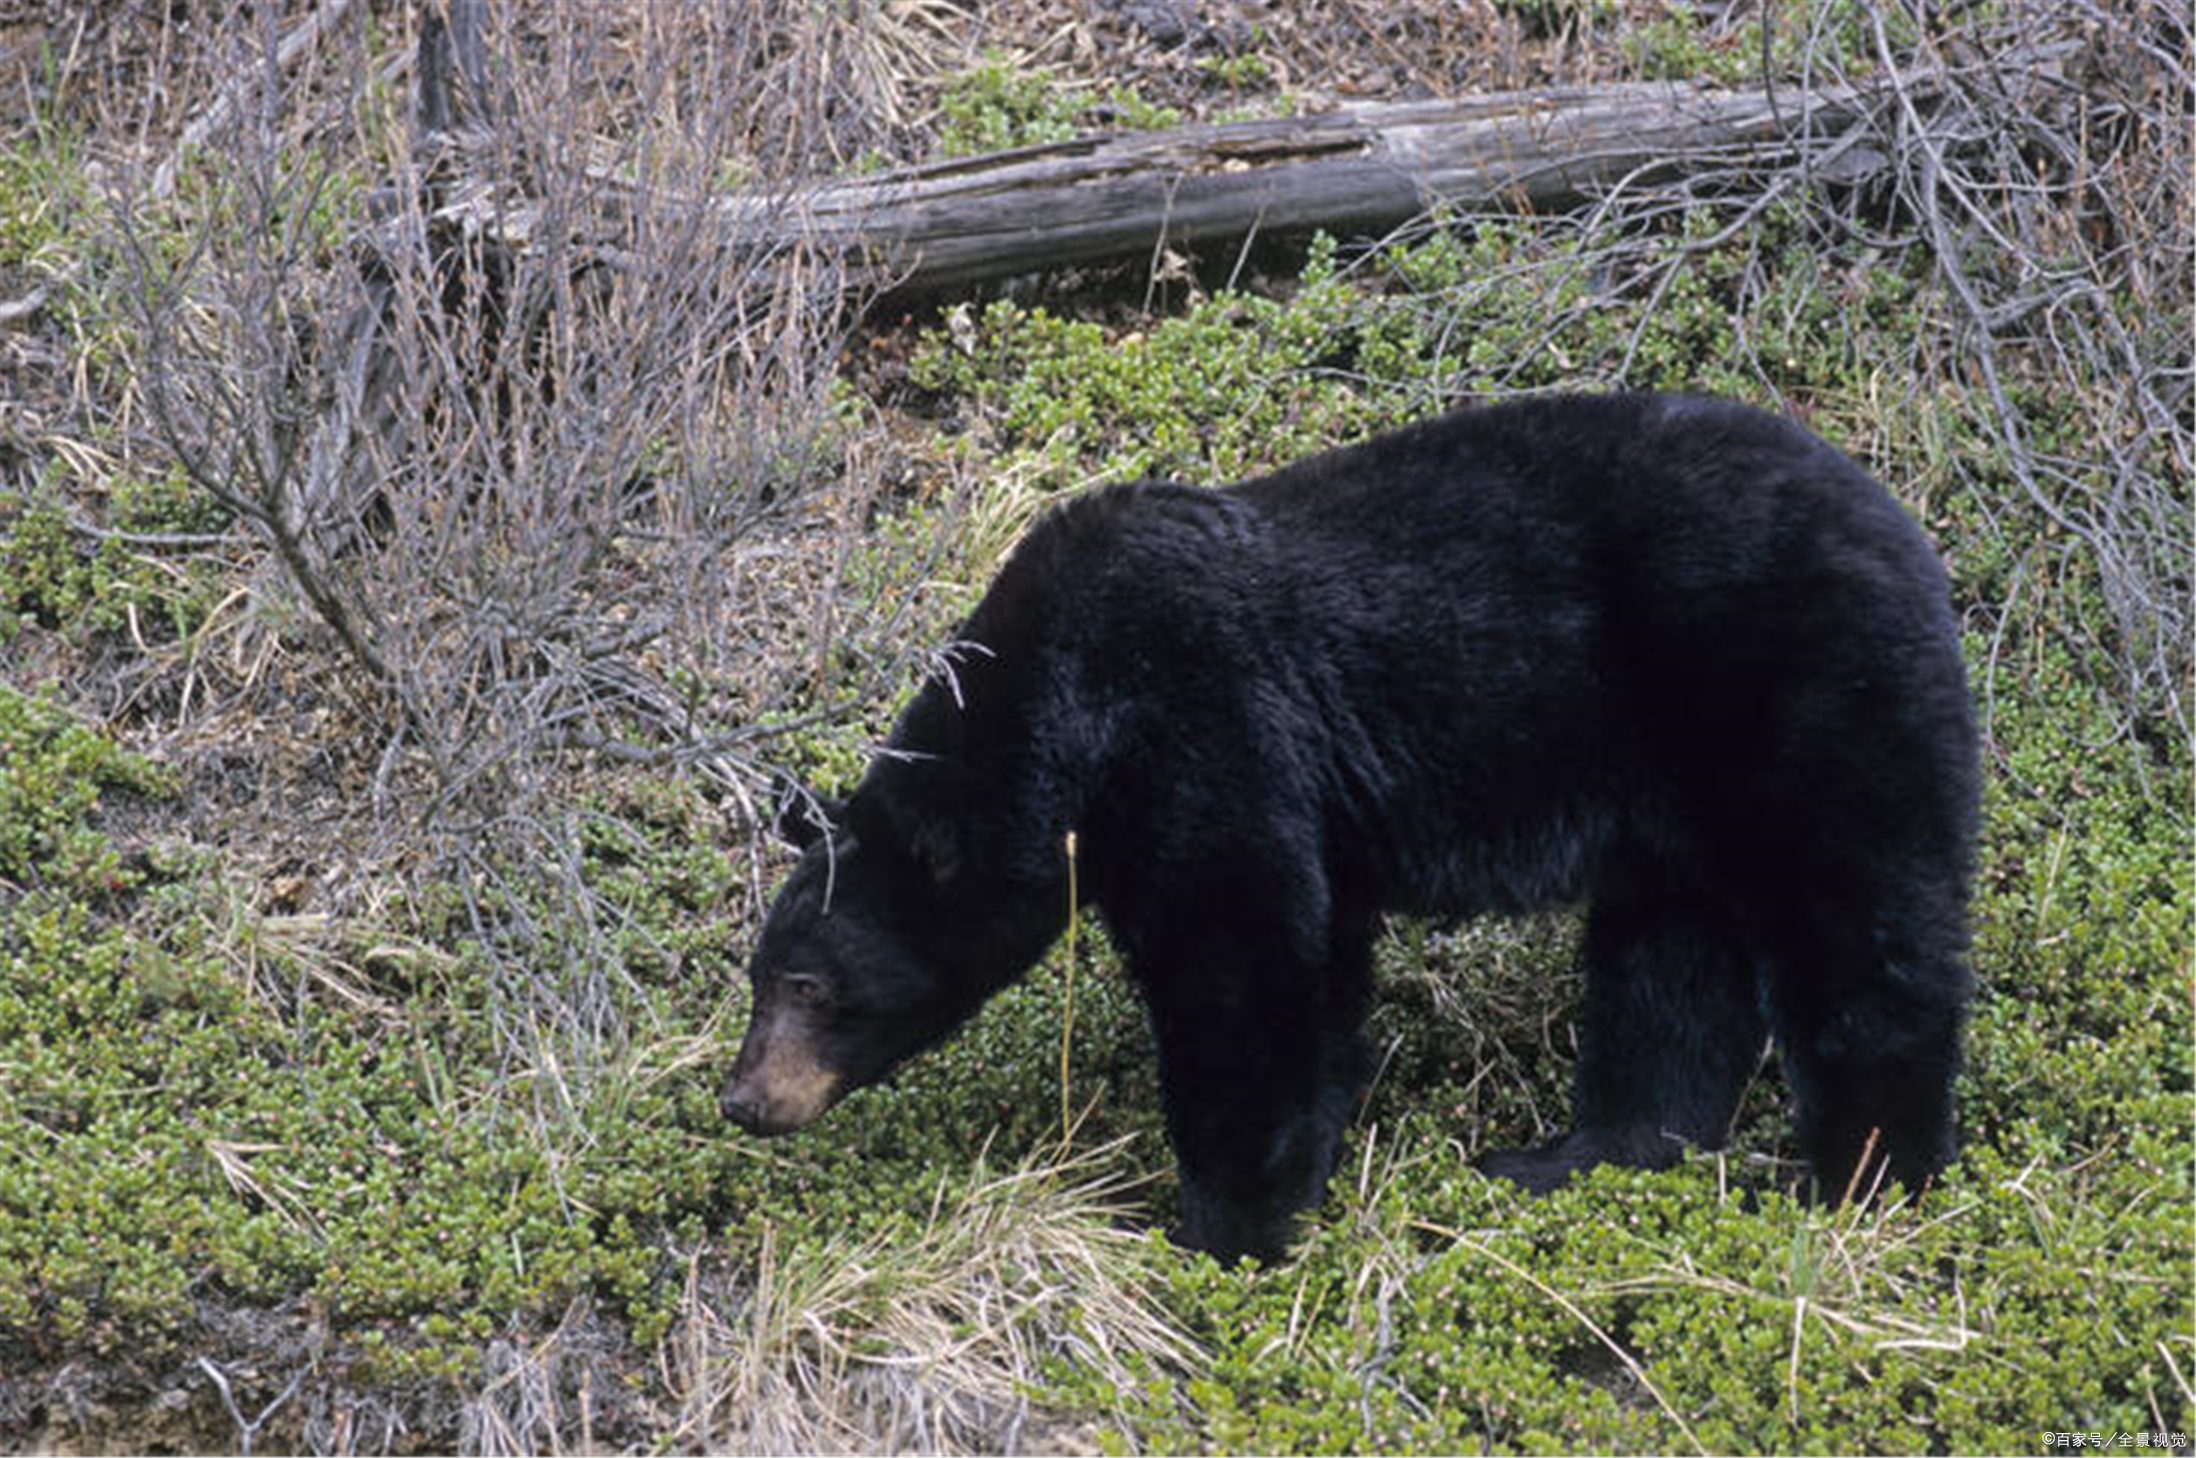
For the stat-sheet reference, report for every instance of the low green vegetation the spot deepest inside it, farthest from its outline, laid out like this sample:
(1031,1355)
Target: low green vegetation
(1001,102)
(207,1105)
(1720,45)
(203,1100)
(1685,42)
(139,573)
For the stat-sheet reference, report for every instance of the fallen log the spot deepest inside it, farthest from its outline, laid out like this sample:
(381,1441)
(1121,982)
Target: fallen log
(1358,171)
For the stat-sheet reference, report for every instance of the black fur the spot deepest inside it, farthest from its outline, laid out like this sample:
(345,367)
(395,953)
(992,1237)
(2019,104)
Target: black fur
(1669,656)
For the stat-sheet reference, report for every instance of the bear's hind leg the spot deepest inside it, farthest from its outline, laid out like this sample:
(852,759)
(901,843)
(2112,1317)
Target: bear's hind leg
(1672,1032)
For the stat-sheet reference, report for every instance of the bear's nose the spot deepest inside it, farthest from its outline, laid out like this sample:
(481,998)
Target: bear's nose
(743,1109)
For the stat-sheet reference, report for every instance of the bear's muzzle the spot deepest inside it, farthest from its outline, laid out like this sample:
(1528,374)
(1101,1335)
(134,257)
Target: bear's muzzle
(777,1083)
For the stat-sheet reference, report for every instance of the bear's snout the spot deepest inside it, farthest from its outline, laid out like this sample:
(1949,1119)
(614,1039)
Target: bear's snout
(743,1106)
(778,1083)
(761,1111)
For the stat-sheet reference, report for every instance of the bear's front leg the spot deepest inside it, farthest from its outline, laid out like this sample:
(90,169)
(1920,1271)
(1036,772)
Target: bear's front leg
(1261,1071)
(1254,1146)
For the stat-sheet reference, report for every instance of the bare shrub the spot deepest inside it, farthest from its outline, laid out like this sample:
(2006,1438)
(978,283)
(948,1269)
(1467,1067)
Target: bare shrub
(554,1392)
(2055,208)
(520,429)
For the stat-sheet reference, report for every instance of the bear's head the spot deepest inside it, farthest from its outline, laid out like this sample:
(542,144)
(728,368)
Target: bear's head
(850,976)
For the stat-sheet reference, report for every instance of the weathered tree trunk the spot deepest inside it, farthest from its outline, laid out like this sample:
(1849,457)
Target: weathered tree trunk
(1363,170)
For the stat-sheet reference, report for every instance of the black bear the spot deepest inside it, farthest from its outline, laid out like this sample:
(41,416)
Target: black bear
(1669,656)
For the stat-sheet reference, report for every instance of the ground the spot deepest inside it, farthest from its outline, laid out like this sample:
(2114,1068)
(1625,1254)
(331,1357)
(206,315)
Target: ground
(359,1038)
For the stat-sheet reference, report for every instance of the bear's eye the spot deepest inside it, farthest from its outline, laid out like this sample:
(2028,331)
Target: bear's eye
(804,989)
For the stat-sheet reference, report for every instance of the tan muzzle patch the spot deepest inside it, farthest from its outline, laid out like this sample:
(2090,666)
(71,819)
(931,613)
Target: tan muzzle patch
(777,1083)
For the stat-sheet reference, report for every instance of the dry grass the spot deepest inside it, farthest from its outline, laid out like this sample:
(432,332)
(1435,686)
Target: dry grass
(1850,1267)
(923,1341)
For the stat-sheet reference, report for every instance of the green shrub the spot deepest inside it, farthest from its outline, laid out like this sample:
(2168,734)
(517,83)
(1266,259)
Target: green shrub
(1001,103)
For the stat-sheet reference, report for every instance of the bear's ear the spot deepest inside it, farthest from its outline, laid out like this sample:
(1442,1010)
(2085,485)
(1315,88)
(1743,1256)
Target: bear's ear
(804,817)
(916,817)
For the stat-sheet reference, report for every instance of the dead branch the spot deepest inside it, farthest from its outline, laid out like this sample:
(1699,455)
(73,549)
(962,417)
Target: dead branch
(223,109)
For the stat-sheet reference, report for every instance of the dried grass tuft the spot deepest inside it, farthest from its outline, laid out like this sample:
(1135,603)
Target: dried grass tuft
(923,1343)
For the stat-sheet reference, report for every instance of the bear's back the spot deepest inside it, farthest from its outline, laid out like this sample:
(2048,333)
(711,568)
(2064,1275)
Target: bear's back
(1582,620)
(1565,622)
